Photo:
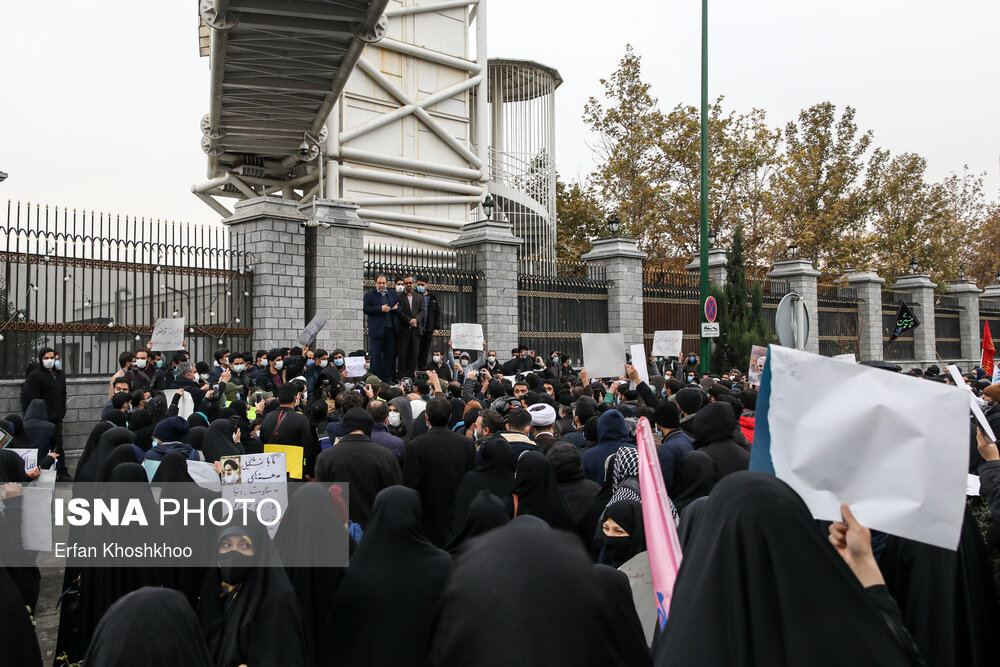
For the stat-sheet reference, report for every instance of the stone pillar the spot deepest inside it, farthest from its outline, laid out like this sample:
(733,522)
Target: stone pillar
(622,260)
(271,230)
(716,266)
(924,338)
(968,318)
(495,251)
(869,288)
(992,291)
(801,277)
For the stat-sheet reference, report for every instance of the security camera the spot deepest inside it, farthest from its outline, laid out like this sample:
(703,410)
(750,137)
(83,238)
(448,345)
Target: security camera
(304,149)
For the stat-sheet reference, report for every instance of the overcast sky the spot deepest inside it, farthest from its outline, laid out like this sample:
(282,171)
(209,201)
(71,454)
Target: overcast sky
(100,104)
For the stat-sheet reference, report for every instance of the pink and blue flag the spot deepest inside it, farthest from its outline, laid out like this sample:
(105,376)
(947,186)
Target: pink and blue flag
(662,543)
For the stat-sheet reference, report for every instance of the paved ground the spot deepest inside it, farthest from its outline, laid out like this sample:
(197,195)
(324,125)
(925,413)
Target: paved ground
(47,616)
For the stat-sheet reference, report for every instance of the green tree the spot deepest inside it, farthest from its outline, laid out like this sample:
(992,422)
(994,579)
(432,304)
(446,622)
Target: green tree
(741,324)
(580,218)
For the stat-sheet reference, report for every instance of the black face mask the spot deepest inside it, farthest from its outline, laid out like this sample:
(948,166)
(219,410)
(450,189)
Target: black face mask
(234,567)
(616,548)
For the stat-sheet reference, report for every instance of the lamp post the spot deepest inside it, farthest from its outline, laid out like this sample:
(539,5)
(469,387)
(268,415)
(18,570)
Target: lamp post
(614,224)
(793,251)
(913,265)
(711,238)
(488,206)
(706,344)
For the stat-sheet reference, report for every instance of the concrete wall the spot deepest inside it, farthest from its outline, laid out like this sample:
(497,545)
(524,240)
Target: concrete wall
(84,399)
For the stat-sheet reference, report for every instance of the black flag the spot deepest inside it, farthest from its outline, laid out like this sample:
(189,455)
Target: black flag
(905,321)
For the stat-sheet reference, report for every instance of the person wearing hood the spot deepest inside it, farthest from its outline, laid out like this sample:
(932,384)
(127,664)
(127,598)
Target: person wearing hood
(435,465)
(248,609)
(379,410)
(623,533)
(755,536)
(400,419)
(612,433)
(48,383)
(222,439)
(123,637)
(17,628)
(715,454)
(485,513)
(584,617)
(462,364)
(494,474)
(576,490)
(92,469)
(689,401)
(168,436)
(675,442)
(536,493)
(391,590)
(40,433)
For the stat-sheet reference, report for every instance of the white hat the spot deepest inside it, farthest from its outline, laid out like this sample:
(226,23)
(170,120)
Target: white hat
(542,414)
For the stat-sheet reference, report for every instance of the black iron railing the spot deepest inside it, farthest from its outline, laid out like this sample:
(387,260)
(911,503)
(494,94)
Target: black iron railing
(553,310)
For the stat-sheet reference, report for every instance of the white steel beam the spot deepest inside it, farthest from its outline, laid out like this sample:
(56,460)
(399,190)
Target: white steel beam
(417,166)
(407,234)
(433,7)
(412,181)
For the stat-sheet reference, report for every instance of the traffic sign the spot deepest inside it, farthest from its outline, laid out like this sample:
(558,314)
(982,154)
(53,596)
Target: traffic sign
(711,309)
(791,321)
(709,329)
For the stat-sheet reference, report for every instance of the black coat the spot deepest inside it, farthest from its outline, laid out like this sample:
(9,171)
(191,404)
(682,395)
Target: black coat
(405,314)
(50,386)
(366,467)
(39,431)
(578,491)
(432,315)
(435,464)
(293,429)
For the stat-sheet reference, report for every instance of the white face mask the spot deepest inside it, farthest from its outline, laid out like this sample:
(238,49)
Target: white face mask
(140,363)
(48,364)
(491,358)
(395,419)
(278,364)
(323,363)
(262,363)
(400,289)
(203,377)
(437,358)
(234,436)
(239,368)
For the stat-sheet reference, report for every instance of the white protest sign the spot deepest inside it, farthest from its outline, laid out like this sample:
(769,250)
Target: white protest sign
(972,485)
(638,353)
(258,478)
(849,358)
(185,407)
(204,475)
(667,343)
(168,334)
(36,518)
(758,356)
(467,336)
(894,448)
(956,375)
(312,330)
(30,457)
(355,367)
(603,354)
(996,373)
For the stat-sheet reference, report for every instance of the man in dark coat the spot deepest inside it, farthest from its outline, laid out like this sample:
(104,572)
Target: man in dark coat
(367,468)
(578,491)
(49,384)
(435,464)
(410,313)
(430,321)
(380,306)
(715,454)
(285,426)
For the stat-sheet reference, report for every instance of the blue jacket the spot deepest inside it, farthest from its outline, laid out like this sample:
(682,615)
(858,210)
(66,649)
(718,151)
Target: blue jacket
(612,433)
(670,451)
(380,323)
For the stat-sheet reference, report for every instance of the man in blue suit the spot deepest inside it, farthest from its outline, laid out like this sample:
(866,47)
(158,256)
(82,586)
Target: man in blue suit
(380,306)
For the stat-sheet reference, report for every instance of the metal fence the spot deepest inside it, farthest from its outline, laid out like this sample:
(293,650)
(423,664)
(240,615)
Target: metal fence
(902,348)
(947,327)
(837,324)
(553,310)
(92,284)
(989,311)
(671,302)
(451,275)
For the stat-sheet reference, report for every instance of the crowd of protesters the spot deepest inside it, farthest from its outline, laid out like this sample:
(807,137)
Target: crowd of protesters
(493,517)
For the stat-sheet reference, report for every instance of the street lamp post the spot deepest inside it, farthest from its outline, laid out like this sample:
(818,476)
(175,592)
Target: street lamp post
(706,344)
(614,224)
(488,206)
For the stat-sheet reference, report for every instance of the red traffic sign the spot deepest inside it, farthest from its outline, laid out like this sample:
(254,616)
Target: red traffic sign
(711,309)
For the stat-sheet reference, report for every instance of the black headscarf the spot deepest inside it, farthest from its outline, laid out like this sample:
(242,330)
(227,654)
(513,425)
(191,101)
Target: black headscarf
(125,638)
(12,468)
(117,417)
(537,492)
(93,469)
(196,437)
(198,419)
(947,598)
(495,474)
(92,441)
(20,645)
(391,589)
(218,442)
(141,422)
(540,587)
(485,513)
(689,520)
(20,439)
(258,622)
(759,554)
(617,594)
(124,453)
(310,527)
(617,550)
(173,468)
